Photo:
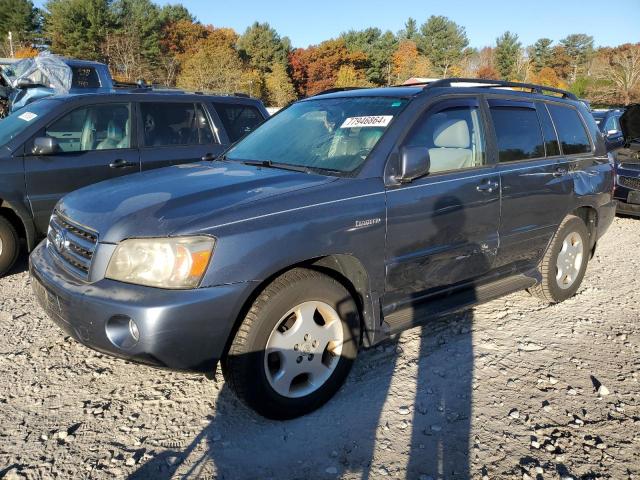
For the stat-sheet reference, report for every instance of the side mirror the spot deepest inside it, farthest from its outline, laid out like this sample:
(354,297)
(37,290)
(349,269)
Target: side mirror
(414,162)
(45,146)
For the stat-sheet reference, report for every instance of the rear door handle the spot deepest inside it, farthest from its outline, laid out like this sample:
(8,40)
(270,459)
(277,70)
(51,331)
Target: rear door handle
(488,186)
(121,163)
(560,171)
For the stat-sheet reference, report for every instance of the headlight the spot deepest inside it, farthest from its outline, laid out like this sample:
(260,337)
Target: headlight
(178,262)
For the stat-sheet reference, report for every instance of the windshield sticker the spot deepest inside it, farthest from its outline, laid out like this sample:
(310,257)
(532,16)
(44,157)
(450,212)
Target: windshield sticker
(370,121)
(27,116)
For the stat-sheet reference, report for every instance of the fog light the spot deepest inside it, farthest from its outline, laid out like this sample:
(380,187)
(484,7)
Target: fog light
(133,330)
(122,331)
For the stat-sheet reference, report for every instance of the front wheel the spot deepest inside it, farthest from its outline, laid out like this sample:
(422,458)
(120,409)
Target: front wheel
(295,346)
(565,262)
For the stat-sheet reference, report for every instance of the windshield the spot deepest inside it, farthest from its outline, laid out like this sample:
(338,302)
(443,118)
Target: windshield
(326,134)
(19,121)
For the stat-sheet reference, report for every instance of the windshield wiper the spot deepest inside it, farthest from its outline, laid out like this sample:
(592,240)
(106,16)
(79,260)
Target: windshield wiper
(281,166)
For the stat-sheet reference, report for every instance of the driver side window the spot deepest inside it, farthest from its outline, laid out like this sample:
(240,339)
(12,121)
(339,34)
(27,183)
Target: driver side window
(453,135)
(96,127)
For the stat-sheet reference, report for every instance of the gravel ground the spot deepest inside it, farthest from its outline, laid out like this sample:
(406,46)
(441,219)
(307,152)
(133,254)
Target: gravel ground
(512,389)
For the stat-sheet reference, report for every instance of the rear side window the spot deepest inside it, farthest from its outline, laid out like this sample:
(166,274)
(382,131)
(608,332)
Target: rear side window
(238,120)
(84,77)
(571,131)
(548,131)
(518,133)
(174,124)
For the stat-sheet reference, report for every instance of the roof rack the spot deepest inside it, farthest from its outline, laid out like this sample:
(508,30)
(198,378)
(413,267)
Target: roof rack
(484,83)
(334,90)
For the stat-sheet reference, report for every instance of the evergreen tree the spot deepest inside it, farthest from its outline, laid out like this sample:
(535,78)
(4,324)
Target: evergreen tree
(506,54)
(443,42)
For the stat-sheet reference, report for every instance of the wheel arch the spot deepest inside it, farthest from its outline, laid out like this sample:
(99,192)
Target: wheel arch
(346,269)
(589,215)
(21,221)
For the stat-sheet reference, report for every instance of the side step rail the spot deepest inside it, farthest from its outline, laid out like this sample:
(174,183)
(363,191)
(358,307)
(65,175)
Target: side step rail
(422,312)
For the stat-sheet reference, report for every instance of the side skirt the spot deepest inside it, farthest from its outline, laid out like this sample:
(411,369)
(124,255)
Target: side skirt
(425,311)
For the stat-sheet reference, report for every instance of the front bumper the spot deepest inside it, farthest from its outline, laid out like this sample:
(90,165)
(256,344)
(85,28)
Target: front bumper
(178,329)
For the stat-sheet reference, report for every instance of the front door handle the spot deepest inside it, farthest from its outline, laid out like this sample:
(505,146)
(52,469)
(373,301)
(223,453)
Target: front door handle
(488,186)
(560,171)
(121,163)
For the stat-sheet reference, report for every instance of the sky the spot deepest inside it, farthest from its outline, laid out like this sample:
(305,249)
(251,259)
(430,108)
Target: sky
(310,22)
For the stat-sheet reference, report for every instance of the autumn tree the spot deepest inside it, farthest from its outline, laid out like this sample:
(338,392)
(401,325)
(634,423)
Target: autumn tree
(506,55)
(579,49)
(488,73)
(561,62)
(547,76)
(618,70)
(280,90)
(407,62)
(214,66)
(78,28)
(315,68)
(443,42)
(349,76)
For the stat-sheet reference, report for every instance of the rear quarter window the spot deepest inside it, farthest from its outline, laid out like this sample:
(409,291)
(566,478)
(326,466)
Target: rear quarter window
(571,130)
(238,119)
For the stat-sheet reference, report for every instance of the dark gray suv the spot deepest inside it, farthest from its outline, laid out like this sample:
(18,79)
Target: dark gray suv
(61,143)
(344,219)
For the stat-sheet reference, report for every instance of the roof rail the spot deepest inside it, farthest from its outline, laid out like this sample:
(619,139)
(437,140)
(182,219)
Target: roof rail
(334,90)
(484,83)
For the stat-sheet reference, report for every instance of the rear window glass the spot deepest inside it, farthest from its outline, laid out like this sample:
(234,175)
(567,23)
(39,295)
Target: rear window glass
(84,77)
(167,124)
(571,131)
(518,133)
(238,120)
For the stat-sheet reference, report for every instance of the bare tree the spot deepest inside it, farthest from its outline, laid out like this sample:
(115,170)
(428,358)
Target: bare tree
(619,72)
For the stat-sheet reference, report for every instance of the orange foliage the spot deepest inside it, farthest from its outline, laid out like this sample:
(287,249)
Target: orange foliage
(26,52)
(548,77)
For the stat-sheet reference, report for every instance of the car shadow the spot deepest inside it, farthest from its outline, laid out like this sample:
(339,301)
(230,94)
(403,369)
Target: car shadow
(398,410)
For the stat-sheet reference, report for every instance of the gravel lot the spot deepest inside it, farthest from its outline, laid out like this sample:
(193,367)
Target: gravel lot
(512,389)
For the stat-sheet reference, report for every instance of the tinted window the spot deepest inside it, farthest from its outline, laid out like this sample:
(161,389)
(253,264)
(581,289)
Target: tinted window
(453,137)
(97,127)
(238,120)
(167,124)
(548,131)
(518,133)
(84,77)
(570,129)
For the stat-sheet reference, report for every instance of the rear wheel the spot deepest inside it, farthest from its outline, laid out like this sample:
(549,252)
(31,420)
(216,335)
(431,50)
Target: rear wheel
(295,346)
(565,262)
(9,245)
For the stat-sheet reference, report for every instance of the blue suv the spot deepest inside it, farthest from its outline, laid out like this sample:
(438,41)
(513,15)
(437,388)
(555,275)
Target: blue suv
(344,219)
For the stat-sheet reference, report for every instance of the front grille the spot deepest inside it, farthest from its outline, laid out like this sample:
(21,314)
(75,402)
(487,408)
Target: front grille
(629,182)
(72,244)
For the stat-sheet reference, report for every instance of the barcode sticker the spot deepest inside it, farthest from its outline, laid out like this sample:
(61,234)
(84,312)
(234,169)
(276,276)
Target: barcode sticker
(370,121)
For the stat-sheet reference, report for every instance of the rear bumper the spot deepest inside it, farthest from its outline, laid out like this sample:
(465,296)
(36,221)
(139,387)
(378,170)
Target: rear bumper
(178,329)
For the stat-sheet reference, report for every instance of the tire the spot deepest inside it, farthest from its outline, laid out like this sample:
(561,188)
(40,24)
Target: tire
(270,347)
(9,245)
(558,284)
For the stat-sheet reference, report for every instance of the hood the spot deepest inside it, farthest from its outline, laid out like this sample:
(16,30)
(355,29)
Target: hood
(630,123)
(159,202)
